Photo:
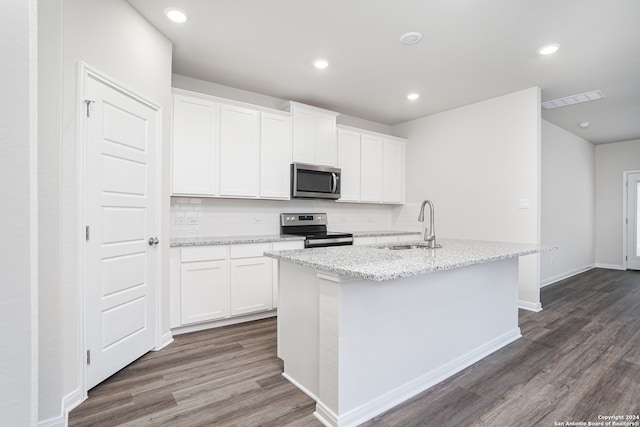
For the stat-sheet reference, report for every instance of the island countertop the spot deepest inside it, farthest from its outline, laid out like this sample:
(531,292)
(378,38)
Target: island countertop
(373,262)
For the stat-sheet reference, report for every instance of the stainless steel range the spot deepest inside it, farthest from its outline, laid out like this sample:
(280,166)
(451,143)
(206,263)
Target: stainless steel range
(314,227)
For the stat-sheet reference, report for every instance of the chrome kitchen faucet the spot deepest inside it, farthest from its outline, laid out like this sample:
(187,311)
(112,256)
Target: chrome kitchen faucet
(429,234)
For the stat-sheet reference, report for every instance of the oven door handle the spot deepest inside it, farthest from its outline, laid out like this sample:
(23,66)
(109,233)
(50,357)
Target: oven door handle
(329,241)
(334,186)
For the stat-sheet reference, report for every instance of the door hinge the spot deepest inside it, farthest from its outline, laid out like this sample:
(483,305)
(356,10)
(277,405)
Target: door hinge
(88,103)
(88,357)
(87,232)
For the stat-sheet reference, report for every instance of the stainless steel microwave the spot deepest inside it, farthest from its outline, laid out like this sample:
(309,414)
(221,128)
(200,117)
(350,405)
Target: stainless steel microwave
(314,182)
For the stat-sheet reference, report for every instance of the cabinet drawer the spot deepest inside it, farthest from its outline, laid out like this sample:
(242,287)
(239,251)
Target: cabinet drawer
(249,250)
(285,246)
(203,253)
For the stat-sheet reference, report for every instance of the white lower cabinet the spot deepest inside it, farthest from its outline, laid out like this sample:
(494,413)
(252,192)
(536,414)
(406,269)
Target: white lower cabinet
(204,291)
(218,282)
(251,279)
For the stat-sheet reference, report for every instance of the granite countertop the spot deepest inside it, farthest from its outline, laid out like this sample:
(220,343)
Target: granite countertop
(265,238)
(370,262)
(230,240)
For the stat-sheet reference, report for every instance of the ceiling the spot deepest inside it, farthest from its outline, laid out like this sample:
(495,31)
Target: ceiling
(471,50)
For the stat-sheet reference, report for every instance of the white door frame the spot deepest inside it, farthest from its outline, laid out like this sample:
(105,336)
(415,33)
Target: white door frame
(625,209)
(84,72)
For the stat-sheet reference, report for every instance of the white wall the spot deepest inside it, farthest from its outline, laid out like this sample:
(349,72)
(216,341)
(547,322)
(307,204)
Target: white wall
(114,39)
(611,161)
(568,203)
(49,185)
(18,228)
(476,163)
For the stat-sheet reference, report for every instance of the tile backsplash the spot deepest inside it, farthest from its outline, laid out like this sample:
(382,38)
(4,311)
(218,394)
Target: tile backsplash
(205,217)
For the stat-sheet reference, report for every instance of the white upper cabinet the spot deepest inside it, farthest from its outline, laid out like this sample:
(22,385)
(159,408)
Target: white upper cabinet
(373,166)
(222,148)
(304,135)
(275,155)
(349,164)
(371,152)
(314,135)
(239,151)
(195,146)
(393,171)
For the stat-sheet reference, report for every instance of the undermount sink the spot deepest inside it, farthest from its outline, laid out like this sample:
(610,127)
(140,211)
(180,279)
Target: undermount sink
(403,247)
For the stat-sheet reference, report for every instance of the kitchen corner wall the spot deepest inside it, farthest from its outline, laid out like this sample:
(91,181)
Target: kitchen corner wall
(568,203)
(206,217)
(480,164)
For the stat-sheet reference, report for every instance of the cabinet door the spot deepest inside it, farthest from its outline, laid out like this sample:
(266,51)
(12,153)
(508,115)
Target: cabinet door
(204,291)
(239,151)
(371,168)
(326,141)
(194,146)
(393,172)
(349,163)
(275,156)
(304,136)
(251,285)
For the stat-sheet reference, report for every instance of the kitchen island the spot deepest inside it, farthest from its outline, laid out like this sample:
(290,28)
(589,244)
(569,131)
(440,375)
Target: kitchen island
(364,328)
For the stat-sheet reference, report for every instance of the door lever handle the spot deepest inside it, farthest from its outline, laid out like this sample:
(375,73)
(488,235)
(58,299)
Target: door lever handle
(153,241)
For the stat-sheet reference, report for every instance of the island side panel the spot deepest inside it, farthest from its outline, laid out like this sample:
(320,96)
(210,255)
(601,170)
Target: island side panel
(298,320)
(399,337)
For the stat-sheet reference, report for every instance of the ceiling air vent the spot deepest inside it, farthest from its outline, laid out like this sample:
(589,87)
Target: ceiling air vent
(594,95)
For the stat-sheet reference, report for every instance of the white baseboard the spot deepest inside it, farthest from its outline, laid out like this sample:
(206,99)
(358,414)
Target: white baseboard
(300,386)
(610,266)
(69,402)
(559,277)
(531,306)
(54,422)
(224,322)
(400,394)
(165,340)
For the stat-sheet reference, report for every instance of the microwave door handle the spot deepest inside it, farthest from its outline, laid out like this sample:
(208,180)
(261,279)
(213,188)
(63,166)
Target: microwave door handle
(334,186)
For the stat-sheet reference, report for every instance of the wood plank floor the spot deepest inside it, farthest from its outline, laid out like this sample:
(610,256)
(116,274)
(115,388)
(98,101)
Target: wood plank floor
(578,358)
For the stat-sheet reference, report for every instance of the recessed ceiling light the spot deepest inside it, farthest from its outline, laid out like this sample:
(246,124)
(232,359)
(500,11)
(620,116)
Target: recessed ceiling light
(176,15)
(320,64)
(549,49)
(413,96)
(412,37)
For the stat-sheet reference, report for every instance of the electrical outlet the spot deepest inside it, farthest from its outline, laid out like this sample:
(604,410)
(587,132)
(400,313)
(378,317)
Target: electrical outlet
(523,204)
(257,220)
(181,221)
(194,221)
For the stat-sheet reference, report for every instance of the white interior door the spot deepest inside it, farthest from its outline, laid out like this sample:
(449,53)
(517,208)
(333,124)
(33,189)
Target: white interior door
(120,183)
(633,220)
